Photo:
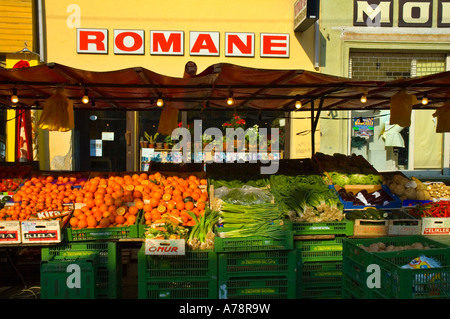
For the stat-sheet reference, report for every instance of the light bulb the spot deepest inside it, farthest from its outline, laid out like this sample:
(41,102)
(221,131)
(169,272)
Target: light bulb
(160,102)
(230,101)
(424,100)
(298,104)
(14,97)
(363,98)
(85,98)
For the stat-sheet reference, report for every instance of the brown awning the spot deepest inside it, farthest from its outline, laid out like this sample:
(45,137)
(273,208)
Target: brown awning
(252,88)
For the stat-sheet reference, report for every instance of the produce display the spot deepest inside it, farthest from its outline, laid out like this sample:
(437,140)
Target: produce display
(378,214)
(306,198)
(342,170)
(382,247)
(11,177)
(406,188)
(41,194)
(438,190)
(437,209)
(251,220)
(365,198)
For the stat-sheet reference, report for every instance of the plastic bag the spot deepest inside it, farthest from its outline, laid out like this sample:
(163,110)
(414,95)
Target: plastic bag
(57,114)
(443,119)
(168,120)
(423,283)
(246,195)
(401,108)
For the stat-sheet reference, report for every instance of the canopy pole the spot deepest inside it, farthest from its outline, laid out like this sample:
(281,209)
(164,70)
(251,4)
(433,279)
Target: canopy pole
(314,123)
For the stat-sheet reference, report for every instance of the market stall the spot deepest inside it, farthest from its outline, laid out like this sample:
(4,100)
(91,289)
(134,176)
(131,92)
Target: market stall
(217,233)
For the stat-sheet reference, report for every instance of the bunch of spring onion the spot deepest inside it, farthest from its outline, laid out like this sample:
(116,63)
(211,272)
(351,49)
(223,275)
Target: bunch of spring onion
(307,203)
(202,234)
(265,219)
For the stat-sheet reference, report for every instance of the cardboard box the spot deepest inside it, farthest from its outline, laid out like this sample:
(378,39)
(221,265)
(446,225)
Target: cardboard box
(169,247)
(10,232)
(364,228)
(41,231)
(435,226)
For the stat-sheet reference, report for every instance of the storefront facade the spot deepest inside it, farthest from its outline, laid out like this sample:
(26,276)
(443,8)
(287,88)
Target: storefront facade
(385,40)
(164,37)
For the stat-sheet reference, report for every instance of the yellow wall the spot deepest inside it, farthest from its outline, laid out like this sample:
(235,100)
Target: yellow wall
(16,25)
(64,16)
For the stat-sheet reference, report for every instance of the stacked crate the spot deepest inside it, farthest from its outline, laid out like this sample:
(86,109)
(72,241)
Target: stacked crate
(89,270)
(189,276)
(319,248)
(383,275)
(256,267)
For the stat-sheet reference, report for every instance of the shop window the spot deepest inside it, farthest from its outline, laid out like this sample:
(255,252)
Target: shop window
(387,147)
(148,125)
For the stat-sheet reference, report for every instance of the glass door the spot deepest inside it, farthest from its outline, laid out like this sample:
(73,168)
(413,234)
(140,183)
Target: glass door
(101,141)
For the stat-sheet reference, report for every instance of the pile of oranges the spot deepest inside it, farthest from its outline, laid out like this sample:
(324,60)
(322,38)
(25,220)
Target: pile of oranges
(41,193)
(111,201)
(175,196)
(117,200)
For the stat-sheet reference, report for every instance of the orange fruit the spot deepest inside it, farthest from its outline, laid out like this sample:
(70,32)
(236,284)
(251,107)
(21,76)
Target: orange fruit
(91,221)
(133,210)
(161,208)
(82,223)
(147,207)
(131,219)
(166,197)
(139,204)
(104,222)
(119,219)
(189,206)
(74,221)
(179,204)
(89,202)
(121,210)
(154,202)
(201,205)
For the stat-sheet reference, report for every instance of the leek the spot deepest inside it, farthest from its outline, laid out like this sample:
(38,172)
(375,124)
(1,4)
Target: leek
(263,219)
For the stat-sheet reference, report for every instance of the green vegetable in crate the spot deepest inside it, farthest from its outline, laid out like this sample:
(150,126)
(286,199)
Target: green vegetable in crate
(369,213)
(309,204)
(202,234)
(257,220)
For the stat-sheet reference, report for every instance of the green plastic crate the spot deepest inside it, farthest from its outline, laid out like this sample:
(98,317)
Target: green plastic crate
(193,275)
(322,274)
(254,243)
(59,281)
(108,263)
(395,281)
(260,263)
(257,288)
(190,288)
(344,227)
(107,233)
(320,250)
(323,293)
